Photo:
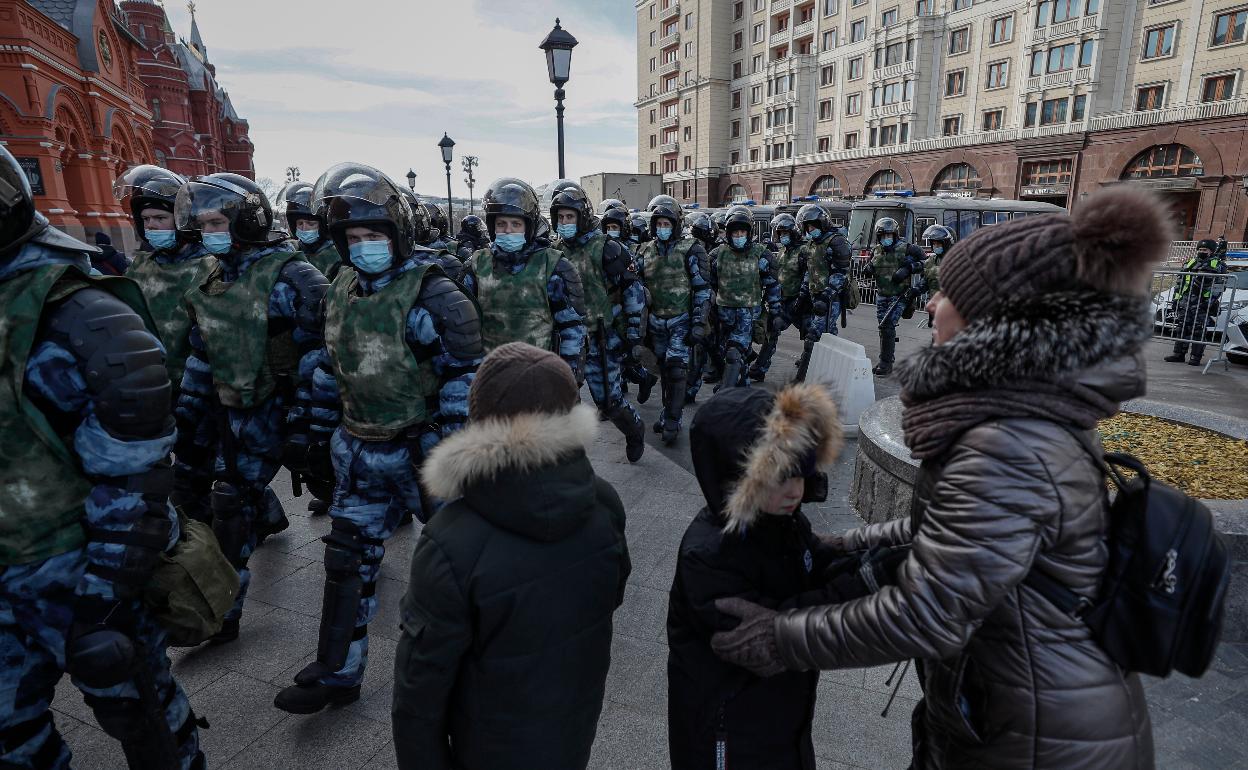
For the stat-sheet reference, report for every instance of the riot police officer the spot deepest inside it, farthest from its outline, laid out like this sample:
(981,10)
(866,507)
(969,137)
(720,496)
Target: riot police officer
(707,357)
(423,233)
(614,223)
(892,263)
(610,284)
(790,262)
(745,285)
(255,338)
(1196,299)
(528,291)
(827,256)
(473,236)
(403,343)
(940,240)
(674,271)
(308,227)
(85,432)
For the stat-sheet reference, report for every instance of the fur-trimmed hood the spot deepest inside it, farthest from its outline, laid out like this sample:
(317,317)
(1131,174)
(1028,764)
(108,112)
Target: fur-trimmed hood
(744,440)
(520,444)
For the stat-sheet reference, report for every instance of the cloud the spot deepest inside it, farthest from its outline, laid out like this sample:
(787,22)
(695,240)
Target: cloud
(379,82)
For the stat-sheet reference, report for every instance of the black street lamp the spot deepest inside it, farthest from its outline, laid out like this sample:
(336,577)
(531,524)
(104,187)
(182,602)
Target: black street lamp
(470,162)
(448,144)
(411,180)
(558,46)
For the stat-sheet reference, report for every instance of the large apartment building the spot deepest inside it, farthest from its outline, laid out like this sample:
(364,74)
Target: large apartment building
(769,100)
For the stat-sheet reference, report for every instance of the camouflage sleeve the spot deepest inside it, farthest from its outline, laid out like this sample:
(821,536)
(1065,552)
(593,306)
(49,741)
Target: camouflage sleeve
(446,329)
(299,298)
(195,395)
(770,284)
(564,293)
(621,272)
(119,452)
(699,271)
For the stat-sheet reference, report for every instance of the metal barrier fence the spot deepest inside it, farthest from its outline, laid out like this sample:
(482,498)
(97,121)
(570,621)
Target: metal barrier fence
(1205,306)
(1181,251)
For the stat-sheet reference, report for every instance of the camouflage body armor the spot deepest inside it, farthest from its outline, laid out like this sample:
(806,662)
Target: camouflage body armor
(886,262)
(164,287)
(790,275)
(515,308)
(667,278)
(587,260)
(739,282)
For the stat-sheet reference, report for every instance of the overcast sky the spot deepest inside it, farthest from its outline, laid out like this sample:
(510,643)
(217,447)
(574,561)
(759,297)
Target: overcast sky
(379,81)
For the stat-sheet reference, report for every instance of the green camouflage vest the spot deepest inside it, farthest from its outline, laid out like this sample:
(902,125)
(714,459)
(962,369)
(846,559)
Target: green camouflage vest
(739,282)
(164,287)
(790,277)
(233,320)
(931,274)
(667,278)
(326,260)
(515,308)
(886,262)
(587,260)
(384,387)
(42,487)
(817,268)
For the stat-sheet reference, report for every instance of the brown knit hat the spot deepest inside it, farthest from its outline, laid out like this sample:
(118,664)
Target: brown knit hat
(1110,243)
(518,378)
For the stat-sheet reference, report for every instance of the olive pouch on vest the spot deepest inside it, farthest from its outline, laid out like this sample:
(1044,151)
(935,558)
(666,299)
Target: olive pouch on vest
(853,298)
(193,586)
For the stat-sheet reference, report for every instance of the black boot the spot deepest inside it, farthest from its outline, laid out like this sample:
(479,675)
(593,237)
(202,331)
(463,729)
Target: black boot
(732,370)
(645,387)
(629,423)
(311,698)
(1194,360)
(227,634)
(888,346)
(803,363)
(272,518)
(1177,356)
(674,405)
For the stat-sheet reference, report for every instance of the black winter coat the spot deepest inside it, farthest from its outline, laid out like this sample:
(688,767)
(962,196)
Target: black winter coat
(508,619)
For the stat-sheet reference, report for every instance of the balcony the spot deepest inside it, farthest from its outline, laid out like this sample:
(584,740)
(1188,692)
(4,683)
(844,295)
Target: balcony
(669,11)
(668,68)
(777,100)
(1057,79)
(1083,75)
(671,39)
(890,110)
(669,121)
(892,71)
(804,29)
(780,5)
(779,37)
(669,147)
(1170,114)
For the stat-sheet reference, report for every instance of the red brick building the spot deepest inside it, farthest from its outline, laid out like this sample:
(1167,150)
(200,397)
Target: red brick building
(76,106)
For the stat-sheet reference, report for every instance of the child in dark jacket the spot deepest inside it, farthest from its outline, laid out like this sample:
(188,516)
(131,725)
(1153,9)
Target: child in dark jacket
(754,453)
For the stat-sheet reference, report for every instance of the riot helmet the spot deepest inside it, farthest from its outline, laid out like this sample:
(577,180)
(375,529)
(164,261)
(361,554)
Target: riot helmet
(235,197)
(664,207)
(573,198)
(784,223)
(701,227)
(739,218)
(147,187)
(294,202)
(472,227)
(615,216)
(812,214)
(939,236)
(511,197)
(420,219)
(886,226)
(1207,244)
(438,221)
(611,203)
(718,219)
(354,194)
(639,227)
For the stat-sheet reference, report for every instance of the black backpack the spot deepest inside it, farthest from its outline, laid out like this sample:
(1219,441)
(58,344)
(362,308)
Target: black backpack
(1163,594)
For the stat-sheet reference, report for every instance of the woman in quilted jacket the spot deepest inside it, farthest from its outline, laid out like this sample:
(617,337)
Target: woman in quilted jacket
(1037,336)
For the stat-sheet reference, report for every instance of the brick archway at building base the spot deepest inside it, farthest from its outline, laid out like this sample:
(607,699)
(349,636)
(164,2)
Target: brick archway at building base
(1210,158)
(856,180)
(952,158)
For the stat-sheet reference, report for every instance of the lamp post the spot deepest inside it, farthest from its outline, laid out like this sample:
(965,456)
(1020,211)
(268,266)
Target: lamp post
(448,145)
(470,162)
(292,173)
(558,46)
(411,180)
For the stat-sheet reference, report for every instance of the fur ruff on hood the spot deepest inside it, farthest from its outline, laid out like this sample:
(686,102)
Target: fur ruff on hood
(803,418)
(524,442)
(1043,338)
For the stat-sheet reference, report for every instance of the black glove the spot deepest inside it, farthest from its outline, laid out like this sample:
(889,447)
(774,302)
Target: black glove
(879,565)
(820,307)
(697,332)
(320,462)
(869,269)
(752,644)
(99,650)
(295,452)
(778,323)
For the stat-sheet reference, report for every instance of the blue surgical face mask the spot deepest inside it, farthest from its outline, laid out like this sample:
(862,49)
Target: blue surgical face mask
(161,239)
(938,250)
(308,236)
(509,242)
(813,235)
(566,232)
(739,241)
(886,241)
(371,256)
(635,238)
(613,233)
(663,232)
(785,240)
(218,243)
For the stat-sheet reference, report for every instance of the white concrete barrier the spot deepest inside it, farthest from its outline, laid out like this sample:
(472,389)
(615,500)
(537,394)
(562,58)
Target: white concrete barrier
(843,367)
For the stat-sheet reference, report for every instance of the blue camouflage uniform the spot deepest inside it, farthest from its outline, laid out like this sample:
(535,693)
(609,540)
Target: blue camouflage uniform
(256,434)
(377,481)
(39,599)
(736,324)
(824,281)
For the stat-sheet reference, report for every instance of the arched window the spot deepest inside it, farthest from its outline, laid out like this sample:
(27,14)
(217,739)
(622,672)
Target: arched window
(956,177)
(1164,160)
(827,186)
(735,194)
(885,181)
